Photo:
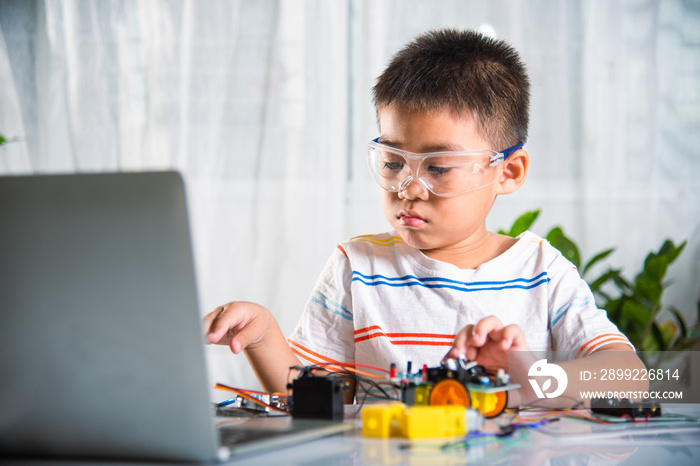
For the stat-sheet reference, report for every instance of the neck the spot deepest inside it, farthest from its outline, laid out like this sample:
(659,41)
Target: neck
(481,247)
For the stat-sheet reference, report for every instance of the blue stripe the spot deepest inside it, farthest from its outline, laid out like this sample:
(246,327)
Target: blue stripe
(325,302)
(561,312)
(434,279)
(461,286)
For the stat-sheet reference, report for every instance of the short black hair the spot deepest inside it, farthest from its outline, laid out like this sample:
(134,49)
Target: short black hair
(461,71)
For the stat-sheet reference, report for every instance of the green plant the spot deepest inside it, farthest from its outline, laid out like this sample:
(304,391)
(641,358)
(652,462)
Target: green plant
(633,306)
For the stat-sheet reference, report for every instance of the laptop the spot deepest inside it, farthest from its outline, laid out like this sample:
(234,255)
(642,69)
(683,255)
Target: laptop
(101,346)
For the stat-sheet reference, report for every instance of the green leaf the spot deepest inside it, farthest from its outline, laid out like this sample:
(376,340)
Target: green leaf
(621,283)
(647,289)
(656,264)
(595,285)
(597,258)
(655,267)
(558,239)
(670,251)
(522,223)
(635,312)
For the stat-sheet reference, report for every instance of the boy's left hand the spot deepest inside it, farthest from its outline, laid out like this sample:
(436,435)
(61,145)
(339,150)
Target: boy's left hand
(488,343)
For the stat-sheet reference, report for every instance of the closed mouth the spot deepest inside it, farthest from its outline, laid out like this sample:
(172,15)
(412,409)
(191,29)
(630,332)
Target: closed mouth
(410,219)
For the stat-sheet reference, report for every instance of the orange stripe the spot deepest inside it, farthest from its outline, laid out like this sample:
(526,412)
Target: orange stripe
(367,329)
(421,335)
(421,343)
(602,343)
(592,340)
(404,342)
(583,347)
(404,335)
(399,335)
(343,250)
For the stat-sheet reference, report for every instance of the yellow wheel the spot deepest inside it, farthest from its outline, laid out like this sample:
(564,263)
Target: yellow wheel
(500,404)
(449,392)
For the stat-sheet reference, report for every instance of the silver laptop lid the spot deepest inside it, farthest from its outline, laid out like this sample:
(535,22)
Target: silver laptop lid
(101,353)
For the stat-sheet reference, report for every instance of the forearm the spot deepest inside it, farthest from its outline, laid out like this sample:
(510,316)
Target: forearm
(271,359)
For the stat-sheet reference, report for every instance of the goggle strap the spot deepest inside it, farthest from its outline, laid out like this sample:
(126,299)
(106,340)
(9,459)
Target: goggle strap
(508,152)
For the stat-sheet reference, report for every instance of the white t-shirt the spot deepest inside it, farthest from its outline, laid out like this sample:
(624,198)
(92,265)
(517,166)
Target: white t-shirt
(379,301)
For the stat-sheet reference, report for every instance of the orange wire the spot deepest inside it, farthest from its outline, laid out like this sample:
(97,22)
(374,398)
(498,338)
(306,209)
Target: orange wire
(350,366)
(256,392)
(366,366)
(357,371)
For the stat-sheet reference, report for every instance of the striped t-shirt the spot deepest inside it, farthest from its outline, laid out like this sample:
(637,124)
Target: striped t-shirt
(379,301)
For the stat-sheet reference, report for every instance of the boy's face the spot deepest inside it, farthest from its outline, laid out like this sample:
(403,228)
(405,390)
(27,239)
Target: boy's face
(424,220)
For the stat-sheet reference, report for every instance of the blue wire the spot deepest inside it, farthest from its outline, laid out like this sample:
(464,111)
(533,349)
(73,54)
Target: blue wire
(221,404)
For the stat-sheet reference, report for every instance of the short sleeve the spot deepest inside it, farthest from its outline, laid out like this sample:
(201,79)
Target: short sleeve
(324,333)
(578,326)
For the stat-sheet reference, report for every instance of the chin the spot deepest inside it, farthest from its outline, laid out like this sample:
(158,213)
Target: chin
(414,237)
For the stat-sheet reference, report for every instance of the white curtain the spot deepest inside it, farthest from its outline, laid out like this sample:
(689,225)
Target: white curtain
(265,107)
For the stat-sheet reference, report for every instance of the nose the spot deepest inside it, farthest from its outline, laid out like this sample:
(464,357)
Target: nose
(414,188)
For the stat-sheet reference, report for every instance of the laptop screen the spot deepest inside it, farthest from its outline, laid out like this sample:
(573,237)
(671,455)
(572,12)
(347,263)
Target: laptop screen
(101,353)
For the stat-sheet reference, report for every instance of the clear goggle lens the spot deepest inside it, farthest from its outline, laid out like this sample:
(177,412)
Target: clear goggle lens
(443,173)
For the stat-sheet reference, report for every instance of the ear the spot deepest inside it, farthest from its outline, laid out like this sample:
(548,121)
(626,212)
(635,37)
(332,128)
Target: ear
(514,172)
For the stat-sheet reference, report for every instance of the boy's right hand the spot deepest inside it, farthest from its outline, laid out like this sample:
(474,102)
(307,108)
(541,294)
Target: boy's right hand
(237,324)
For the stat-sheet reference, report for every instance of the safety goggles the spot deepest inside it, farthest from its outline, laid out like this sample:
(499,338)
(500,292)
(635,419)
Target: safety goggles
(445,174)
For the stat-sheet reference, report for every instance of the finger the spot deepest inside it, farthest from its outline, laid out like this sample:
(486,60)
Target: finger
(509,337)
(472,353)
(209,319)
(483,328)
(459,346)
(231,317)
(462,345)
(245,335)
(512,338)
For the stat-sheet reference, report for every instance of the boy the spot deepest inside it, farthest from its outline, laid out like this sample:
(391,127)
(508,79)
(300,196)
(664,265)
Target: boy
(453,112)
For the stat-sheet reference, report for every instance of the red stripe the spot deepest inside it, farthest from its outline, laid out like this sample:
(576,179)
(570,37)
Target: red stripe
(367,329)
(399,335)
(404,335)
(404,342)
(421,343)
